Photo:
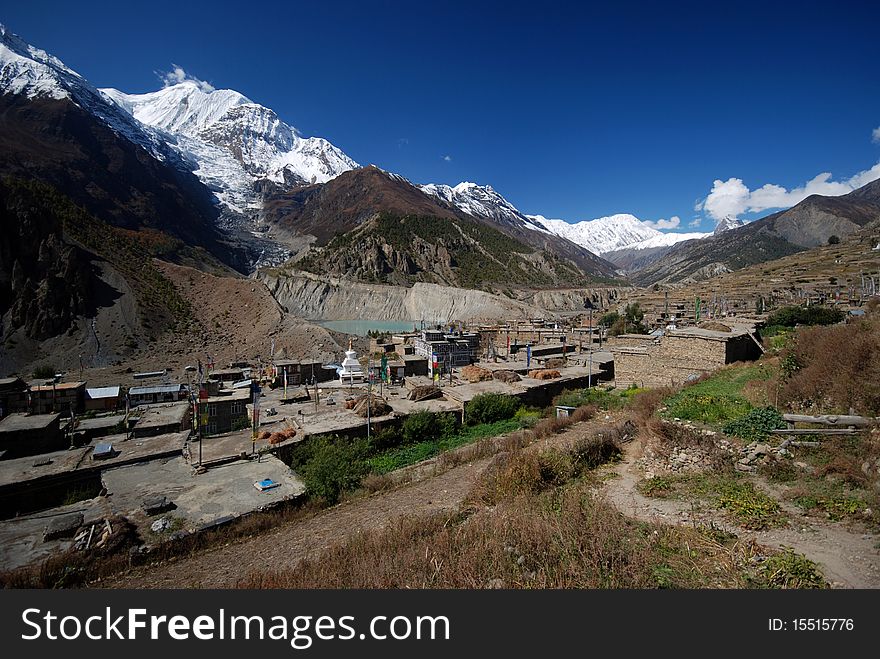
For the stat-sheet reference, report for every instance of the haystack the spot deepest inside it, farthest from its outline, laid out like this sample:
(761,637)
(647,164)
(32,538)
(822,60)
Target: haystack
(545,374)
(425,392)
(506,376)
(475,373)
(378,406)
(281,436)
(554,362)
(714,326)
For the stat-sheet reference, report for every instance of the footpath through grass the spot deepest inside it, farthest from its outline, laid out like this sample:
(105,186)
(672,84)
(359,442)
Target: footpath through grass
(730,492)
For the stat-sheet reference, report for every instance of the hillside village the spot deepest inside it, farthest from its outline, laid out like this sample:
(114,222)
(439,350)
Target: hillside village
(231,356)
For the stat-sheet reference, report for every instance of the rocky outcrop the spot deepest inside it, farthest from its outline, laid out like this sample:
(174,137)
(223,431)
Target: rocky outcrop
(573,299)
(45,282)
(329,298)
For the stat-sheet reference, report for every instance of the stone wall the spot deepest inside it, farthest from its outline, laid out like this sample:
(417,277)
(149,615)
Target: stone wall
(670,361)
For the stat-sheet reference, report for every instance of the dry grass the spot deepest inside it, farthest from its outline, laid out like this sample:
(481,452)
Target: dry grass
(833,369)
(564,538)
(533,521)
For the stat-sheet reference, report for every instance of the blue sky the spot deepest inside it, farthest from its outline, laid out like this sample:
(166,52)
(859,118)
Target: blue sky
(568,110)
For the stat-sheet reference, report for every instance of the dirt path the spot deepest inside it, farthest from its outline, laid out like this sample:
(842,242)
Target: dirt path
(848,558)
(284,547)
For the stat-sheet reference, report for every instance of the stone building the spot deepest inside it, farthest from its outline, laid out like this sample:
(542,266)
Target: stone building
(13,396)
(30,434)
(677,355)
(58,397)
(225,413)
(452,349)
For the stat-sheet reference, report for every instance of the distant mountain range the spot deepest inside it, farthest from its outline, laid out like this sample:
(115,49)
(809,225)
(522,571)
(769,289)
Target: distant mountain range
(212,179)
(808,224)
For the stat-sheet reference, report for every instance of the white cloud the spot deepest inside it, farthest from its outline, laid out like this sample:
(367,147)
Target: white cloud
(694,223)
(875,134)
(447,158)
(177,75)
(671,223)
(733,198)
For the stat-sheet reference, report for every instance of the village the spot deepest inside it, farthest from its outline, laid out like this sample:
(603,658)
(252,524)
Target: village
(212,443)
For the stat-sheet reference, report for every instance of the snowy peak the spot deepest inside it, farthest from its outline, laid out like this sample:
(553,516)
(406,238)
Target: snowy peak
(614,232)
(253,135)
(601,235)
(481,201)
(727,224)
(31,72)
(666,240)
(185,108)
(27,70)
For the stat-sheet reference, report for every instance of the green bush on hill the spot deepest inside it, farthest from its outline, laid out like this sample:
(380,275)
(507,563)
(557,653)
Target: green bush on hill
(791,316)
(330,465)
(427,426)
(755,425)
(491,407)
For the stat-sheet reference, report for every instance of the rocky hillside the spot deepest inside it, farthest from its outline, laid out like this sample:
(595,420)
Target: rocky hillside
(116,180)
(808,224)
(69,282)
(376,227)
(310,296)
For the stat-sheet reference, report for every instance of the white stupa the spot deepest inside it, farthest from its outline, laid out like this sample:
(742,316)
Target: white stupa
(351,370)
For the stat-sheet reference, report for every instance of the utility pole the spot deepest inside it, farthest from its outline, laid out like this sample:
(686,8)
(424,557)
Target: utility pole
(369,395)
(589,305)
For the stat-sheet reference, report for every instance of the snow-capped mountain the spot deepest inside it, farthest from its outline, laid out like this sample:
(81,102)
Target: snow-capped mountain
(232,140)
(28,71)
(604,234)
(727,224)
(666,240)
(482,201)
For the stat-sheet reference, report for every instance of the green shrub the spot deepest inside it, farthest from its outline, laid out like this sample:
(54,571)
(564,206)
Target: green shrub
(334,466)
(755,425)
(815,315)
(240,423)
(790,570)
(527,416)
(491,407)
(427,426)
(385,439)
(602,398)
(44,372)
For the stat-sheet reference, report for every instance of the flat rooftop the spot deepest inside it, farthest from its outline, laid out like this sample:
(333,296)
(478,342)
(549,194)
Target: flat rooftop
(61,386)
(163,414)
(99,422)
(20,470)
(222,493)
(701,333)
(231,394)
(18,421)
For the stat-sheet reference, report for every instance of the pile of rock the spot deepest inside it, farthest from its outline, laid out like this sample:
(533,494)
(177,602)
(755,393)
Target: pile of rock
(702,455)
(757,454)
